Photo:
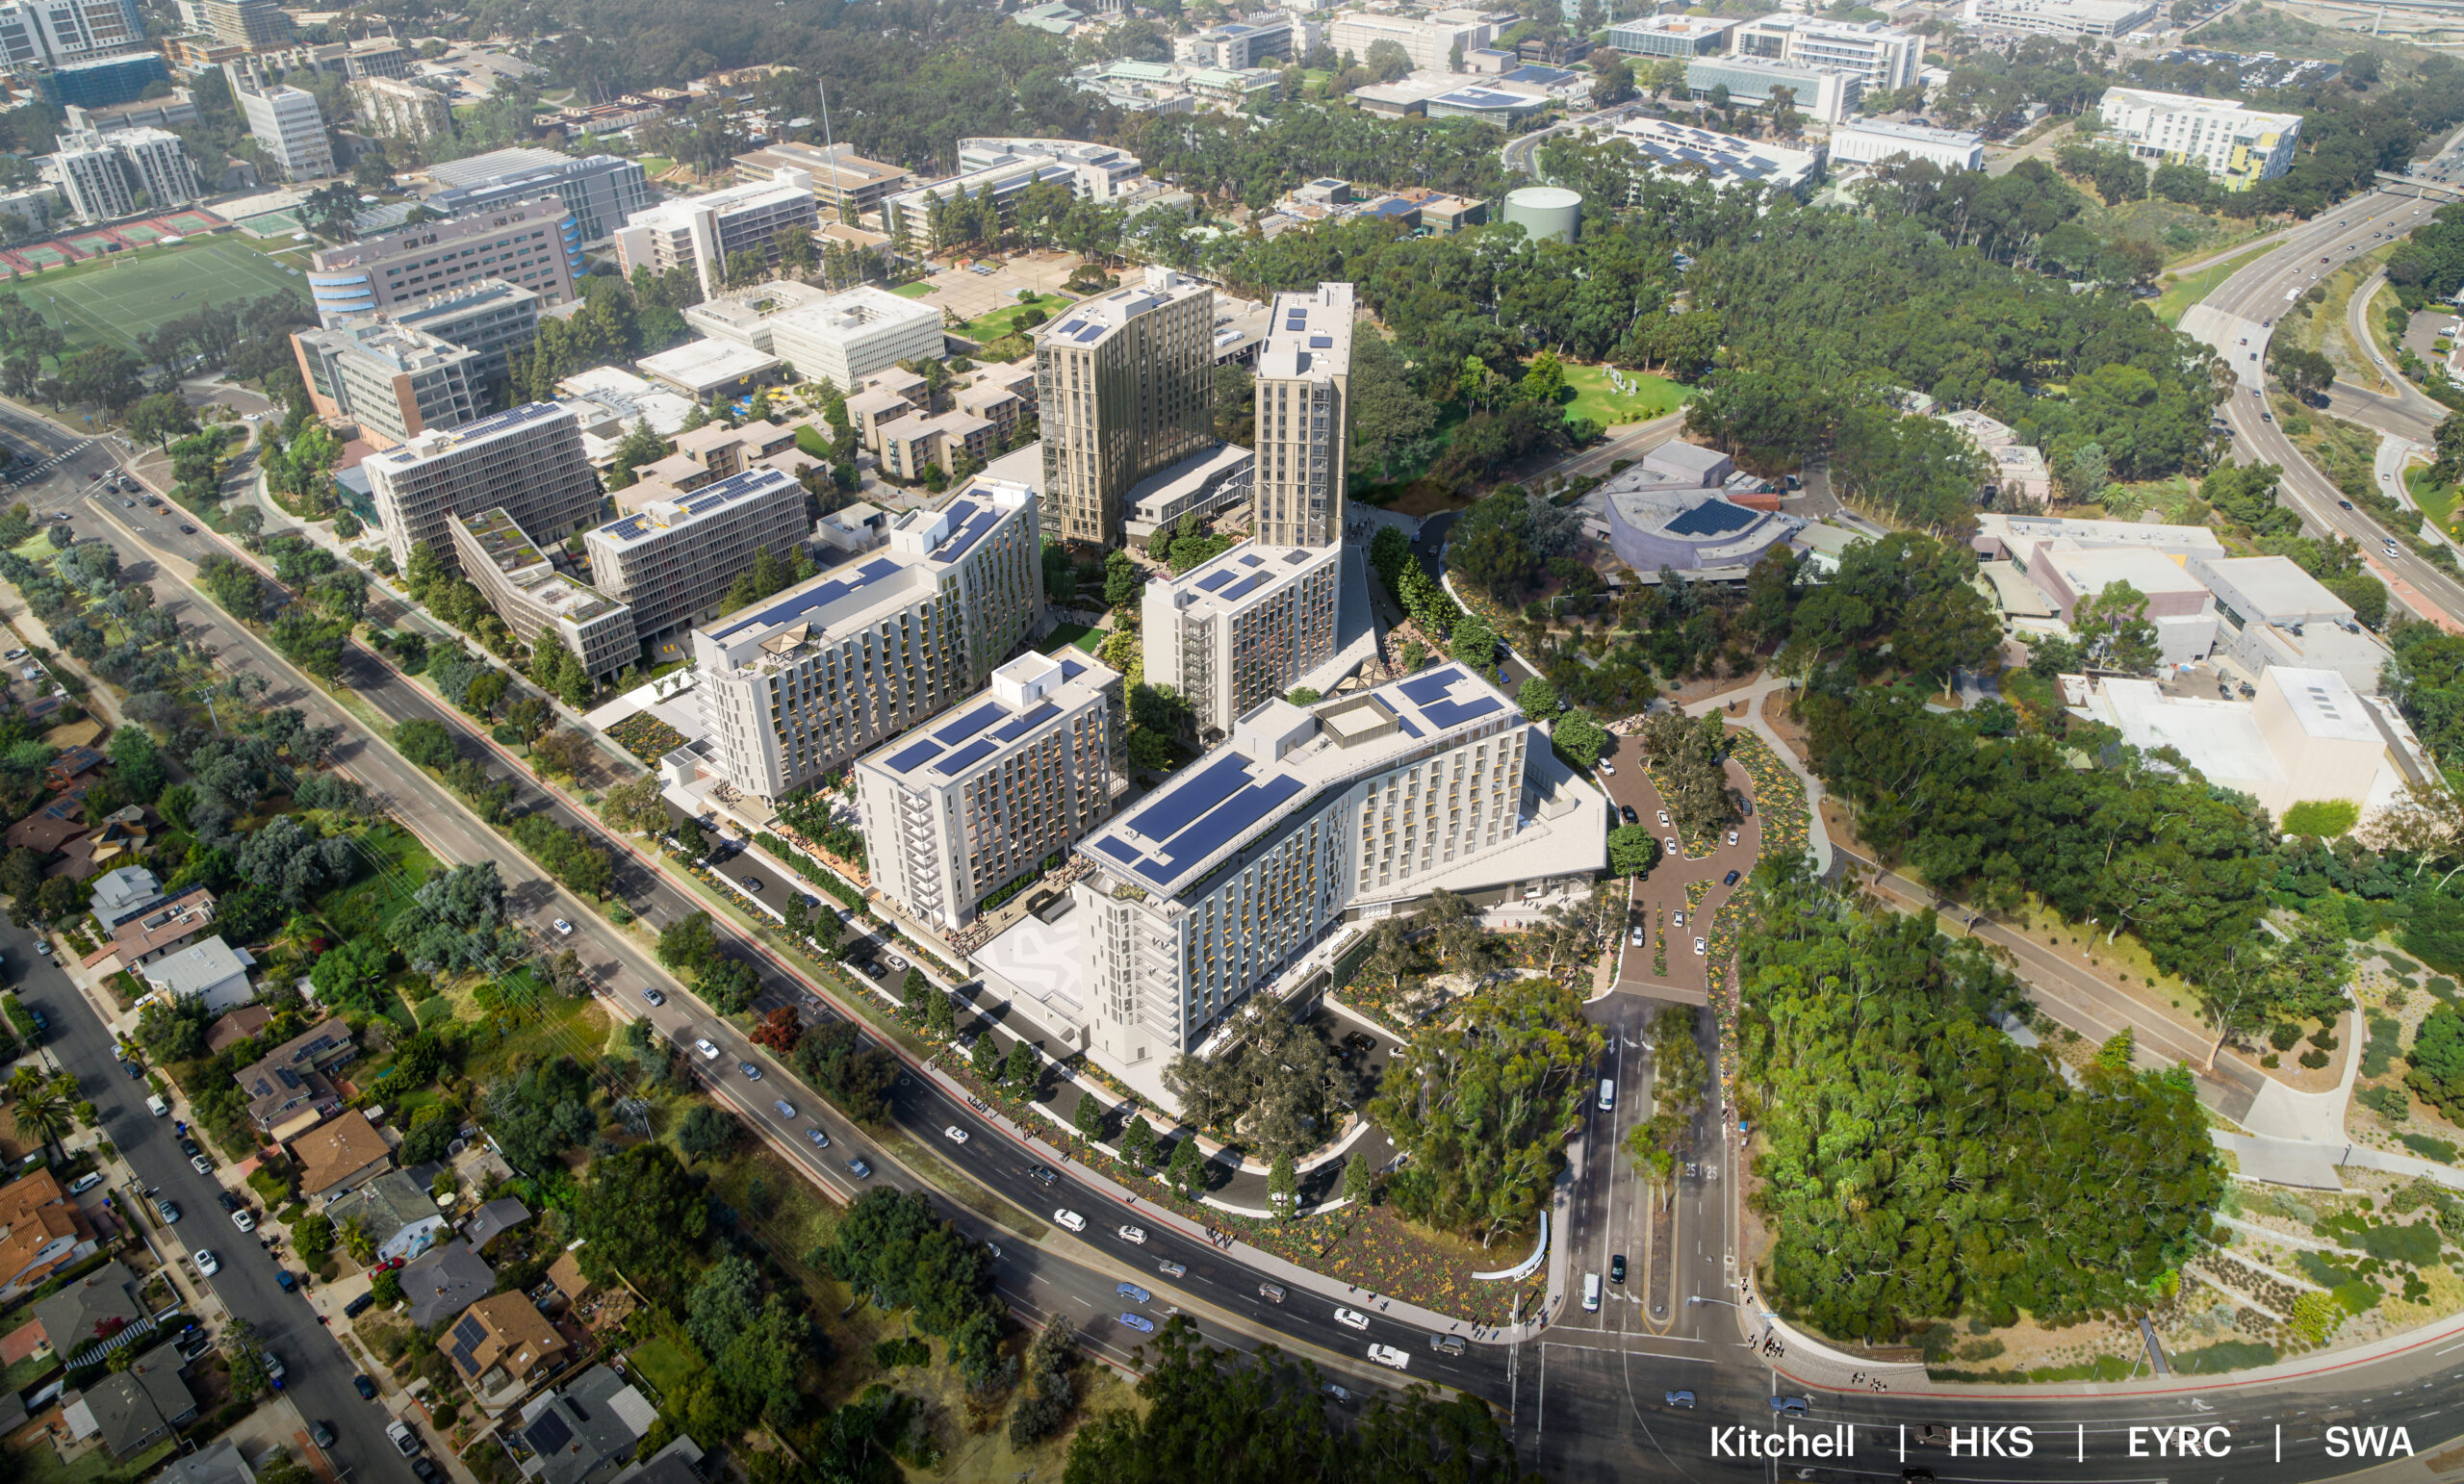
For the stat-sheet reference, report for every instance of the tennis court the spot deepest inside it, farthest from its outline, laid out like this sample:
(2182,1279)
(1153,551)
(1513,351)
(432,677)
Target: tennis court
(115,302)
(271,224)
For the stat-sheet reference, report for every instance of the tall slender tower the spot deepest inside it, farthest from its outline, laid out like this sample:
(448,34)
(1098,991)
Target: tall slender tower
(1305,384)
(1126,386)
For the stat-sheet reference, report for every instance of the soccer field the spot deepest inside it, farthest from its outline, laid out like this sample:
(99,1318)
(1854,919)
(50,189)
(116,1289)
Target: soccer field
(118,299)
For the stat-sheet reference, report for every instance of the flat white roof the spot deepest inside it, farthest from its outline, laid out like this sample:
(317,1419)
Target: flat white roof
(707,362)
(2325,705)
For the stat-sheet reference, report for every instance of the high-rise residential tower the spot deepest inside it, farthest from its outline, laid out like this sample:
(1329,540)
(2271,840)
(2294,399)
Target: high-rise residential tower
(529,461)
(1126,386)
(1304,383)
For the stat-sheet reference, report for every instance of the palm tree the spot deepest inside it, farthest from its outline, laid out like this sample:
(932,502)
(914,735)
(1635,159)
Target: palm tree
(26,1082)
(44,1118)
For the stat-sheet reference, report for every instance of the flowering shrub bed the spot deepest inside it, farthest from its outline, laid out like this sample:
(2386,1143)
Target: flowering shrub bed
(645,736)
(1778,794)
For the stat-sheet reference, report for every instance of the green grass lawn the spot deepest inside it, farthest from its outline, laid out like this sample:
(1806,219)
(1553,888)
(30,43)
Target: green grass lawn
(1595,399)
(654,164)
(1001,322)
(808,438)
(41,1465)
(2437,501)
(2182,292)
(374,900)
(917,289)
(117,299)
(1079,634)
(666,1363)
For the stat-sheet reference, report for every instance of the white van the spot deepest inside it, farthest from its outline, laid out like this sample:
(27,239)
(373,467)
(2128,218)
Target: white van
(159,1109)
(1070,1219)
(1607,1094)
(1591,1292)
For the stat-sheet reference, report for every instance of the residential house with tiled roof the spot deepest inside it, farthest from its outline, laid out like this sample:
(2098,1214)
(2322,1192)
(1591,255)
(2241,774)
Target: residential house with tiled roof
(444,1281)
(137,1408)
(229,1031)
(501,1347)
(337,1156)
(42,1231)
(93,1315)
(49,828)
(289,1090)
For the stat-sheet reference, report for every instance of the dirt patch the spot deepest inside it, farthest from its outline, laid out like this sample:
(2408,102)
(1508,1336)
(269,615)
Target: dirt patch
(1421,498)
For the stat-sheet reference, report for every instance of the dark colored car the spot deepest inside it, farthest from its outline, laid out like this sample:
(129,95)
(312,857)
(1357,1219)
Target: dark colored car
(320,1435)
(1729,880)
(283,1278)
(1617,1267)
(1625,813)
(227,1200)
(359,1306)
(366,1387)
(1043,1176)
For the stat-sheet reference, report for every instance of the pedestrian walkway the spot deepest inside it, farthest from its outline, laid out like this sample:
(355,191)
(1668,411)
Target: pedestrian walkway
(1817,834)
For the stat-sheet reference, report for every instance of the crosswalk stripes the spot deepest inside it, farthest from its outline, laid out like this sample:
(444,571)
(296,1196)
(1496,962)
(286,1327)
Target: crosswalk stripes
(18,474)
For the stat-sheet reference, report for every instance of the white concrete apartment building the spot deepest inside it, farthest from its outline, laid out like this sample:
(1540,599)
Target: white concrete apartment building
(601,191)
(1872,140)
(401,111)
(856,333)
(35,32)
(2063,17)
(672,559)
(533,598)
(1093,172)
(1226,881)
(702,232)
(801,684)
(982,799)
(1303,419)
(395,381)
(1886,59)
(487,314)
(108,176)
(1824,95)
(1126,384)
(849,186)
(285,120)
(533,243)
(529,461)
(1430,41)
(1235,633)
(2236,145)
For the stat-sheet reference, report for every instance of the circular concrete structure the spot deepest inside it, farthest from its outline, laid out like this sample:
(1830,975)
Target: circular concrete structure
(1546,211)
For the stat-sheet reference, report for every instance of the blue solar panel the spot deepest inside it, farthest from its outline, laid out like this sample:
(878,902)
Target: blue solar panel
(1430,686)
(1227,824)
(815,597)
(1248,585)
(1070,327)
(1248,560)
(964,757)
(909,758)
(1713,517)
(1124,853)
(1071,670)
(1171,812)
(1321,341)
(1090,332)
(1449,713)
(1406,723)
(969,724)
(1027,723)
(1213,580)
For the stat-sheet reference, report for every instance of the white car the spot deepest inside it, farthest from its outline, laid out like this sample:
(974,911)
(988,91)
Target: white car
(44,948)
(405,1441)
(1671,842)
(1732,838)
(702,1044)
(207,1263)
(1135,1236)
(1351,1318)
(1663,819)
(1677,918)
(1070,1219)
(1390,1355)
(954,1134)
(1699,948)
(86,1182)
(1608,768)
(242,1220)
(563,928)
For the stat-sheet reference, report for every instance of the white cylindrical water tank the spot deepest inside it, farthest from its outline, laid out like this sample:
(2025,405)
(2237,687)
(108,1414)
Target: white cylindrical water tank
(1546,211)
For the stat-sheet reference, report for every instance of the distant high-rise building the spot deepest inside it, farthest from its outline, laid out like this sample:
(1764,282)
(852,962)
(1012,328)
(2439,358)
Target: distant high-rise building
(704,232)
(533,243)
(258,25)
(1126,386)
(102,80)
(108,176)
(953,813)
(798,685)
(601,191)
(1304,419)
(529,461)
(54,32)
(284,119)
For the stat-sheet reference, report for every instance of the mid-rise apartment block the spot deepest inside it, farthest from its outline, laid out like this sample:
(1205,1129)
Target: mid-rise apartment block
(1126,384)
(394,381)
(108,176)
(533,243)
(256,25)
(488,317)
(528,461)
(533,598)
(703,232)
(2237,146)
(283,119)
(848,185)
(1432,42)
(600,190)
(841,338)
(1825,95)
(1233,633)
(672,559)
(398,110)
(1008,167)
(50,33)
(805,682)
(1679,36)
(1304,419)
(1885,58)
(983,798)
(1276,36)
(1209,888)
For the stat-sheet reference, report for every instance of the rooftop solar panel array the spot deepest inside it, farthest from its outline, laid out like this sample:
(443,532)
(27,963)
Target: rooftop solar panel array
(1213,580)
(468,1337)
(1449,713)
(1713,517)
(969,724)
(1424,689)
(906,761)
(1178,809)
(1020,726)
(821,597)
(1245,588)
(549,1435)
(961,760)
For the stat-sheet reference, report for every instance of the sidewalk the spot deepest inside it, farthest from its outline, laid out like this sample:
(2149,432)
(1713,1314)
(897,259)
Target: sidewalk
(1817,834)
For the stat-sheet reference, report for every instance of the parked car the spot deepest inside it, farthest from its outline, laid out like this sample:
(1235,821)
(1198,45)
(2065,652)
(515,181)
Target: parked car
(228,1200)
(275,1371)
(200,1163)
(242,1218)
(1729,880)
(1663,819)
(366,1387)
(404,1441)
(321,1435)
(285,1281)
(1670,841)
(155,1105)
(1732,838)
(207,1263)
(168,1210)
(1700,949)
(1391,1355)
(1351,1318)
(86,1182)
(359,1306)
(1625,813)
